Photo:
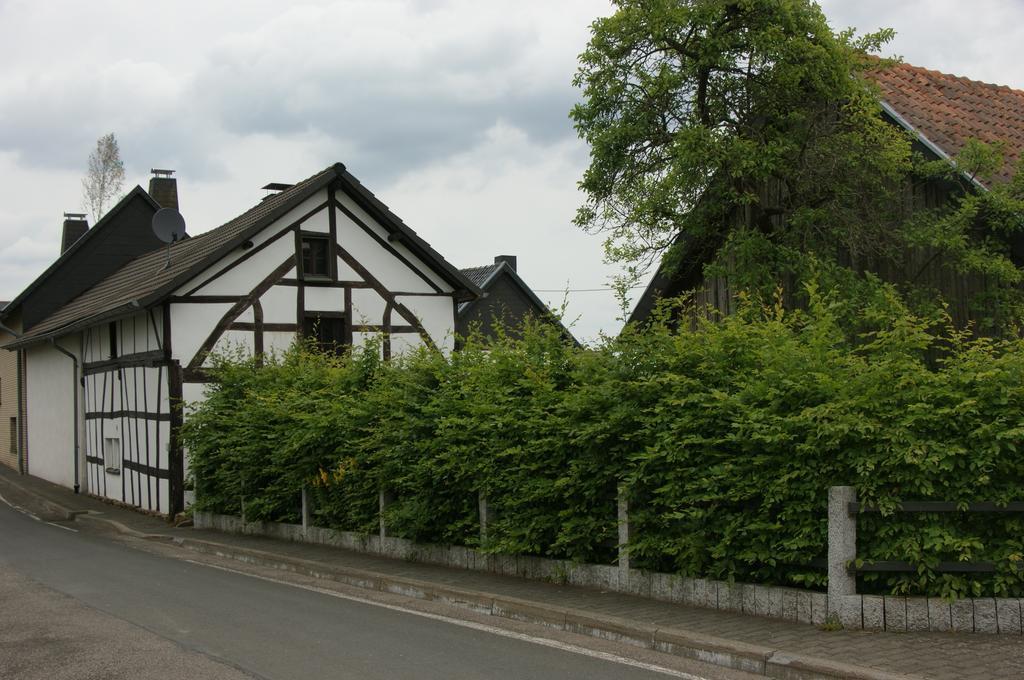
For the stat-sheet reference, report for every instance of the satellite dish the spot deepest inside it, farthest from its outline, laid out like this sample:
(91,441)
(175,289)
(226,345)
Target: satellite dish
(168,225)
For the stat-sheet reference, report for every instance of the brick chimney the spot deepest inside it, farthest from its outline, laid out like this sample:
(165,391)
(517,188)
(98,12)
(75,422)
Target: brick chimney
(510,260)
(75,226)
(163,188)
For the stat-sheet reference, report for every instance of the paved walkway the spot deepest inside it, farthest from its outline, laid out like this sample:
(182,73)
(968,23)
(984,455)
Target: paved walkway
(959,656)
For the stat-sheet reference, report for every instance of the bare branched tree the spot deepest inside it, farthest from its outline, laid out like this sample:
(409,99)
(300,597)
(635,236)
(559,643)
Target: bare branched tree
(104,177)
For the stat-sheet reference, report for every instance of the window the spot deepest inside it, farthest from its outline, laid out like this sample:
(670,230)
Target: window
(326,330)
(14,435)
(316,257)
(112,454)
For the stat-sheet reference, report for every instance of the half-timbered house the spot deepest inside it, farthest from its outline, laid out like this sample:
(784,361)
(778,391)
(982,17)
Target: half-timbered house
(323,257)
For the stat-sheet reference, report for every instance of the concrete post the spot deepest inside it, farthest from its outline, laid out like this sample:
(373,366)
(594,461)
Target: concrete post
(623,534)
(306,509)
(842,543)
(486,515)
(384,500)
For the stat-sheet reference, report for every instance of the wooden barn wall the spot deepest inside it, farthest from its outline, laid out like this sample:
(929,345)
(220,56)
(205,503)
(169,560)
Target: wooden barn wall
(923,267)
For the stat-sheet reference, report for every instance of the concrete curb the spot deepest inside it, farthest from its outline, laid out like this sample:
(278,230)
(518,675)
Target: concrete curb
(733,654)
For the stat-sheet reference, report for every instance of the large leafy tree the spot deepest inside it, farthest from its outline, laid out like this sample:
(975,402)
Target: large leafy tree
(695,107)
(748,132)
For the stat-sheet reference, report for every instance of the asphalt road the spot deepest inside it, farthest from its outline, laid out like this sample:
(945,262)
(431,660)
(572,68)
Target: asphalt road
(219,622)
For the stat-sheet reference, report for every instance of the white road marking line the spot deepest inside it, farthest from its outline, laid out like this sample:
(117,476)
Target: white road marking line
(30,514)
(61,526)
(18,508)
(563,646)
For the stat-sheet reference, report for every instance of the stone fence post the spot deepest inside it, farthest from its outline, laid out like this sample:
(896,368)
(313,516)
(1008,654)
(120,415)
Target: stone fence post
(384,498)
(306,510)
(486,515)
(842,544)
(624,531)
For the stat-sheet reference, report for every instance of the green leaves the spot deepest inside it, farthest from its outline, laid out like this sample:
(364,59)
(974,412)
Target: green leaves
(726,438)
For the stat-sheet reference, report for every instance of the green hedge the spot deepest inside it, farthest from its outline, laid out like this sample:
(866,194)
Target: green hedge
(726,438)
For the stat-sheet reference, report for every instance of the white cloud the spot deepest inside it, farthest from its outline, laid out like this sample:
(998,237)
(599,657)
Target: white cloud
(455,112)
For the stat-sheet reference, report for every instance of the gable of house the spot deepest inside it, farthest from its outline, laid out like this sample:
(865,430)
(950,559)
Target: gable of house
(120,236)
(507,301)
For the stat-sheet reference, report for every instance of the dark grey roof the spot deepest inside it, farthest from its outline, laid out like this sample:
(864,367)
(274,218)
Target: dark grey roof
(3,304)
(146,280)
(80,243)
(481,275)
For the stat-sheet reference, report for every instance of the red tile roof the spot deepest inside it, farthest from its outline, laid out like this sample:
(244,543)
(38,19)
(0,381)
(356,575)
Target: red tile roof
(949,110)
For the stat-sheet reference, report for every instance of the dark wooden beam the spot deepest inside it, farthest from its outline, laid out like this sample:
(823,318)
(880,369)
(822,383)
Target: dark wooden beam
(384,328)
(146,469)
(204,299)
(323,283)
(176,452)
(149,359)
(267,327)
(125,413)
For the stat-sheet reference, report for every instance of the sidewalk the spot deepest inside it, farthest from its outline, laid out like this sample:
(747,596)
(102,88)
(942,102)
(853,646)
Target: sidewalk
(772,647)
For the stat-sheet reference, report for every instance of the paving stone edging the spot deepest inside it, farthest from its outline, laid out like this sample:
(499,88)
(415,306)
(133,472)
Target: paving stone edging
(677,641)
(855,612)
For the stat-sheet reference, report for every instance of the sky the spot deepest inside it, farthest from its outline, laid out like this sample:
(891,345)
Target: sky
(453,112)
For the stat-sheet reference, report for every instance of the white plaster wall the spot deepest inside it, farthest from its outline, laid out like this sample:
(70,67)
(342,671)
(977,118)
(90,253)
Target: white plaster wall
(384,266)
(346,201)
(346,273)
(246,276)
(49,413)
(320,222)
(368,308)
(323,299)
(405,342)
(191,324)
(277,342)
(284,222)
(191,393)
(232,342)
(279,304)
(437,314)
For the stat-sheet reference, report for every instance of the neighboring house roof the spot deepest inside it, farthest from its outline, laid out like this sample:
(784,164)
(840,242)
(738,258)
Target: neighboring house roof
(145,281)
(481,276)
(484,277)
(943,110)
(93,235)
(948,110)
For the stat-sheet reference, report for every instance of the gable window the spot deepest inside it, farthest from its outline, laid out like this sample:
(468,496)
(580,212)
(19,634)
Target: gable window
(327,331)
(316,257)
(113,340)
